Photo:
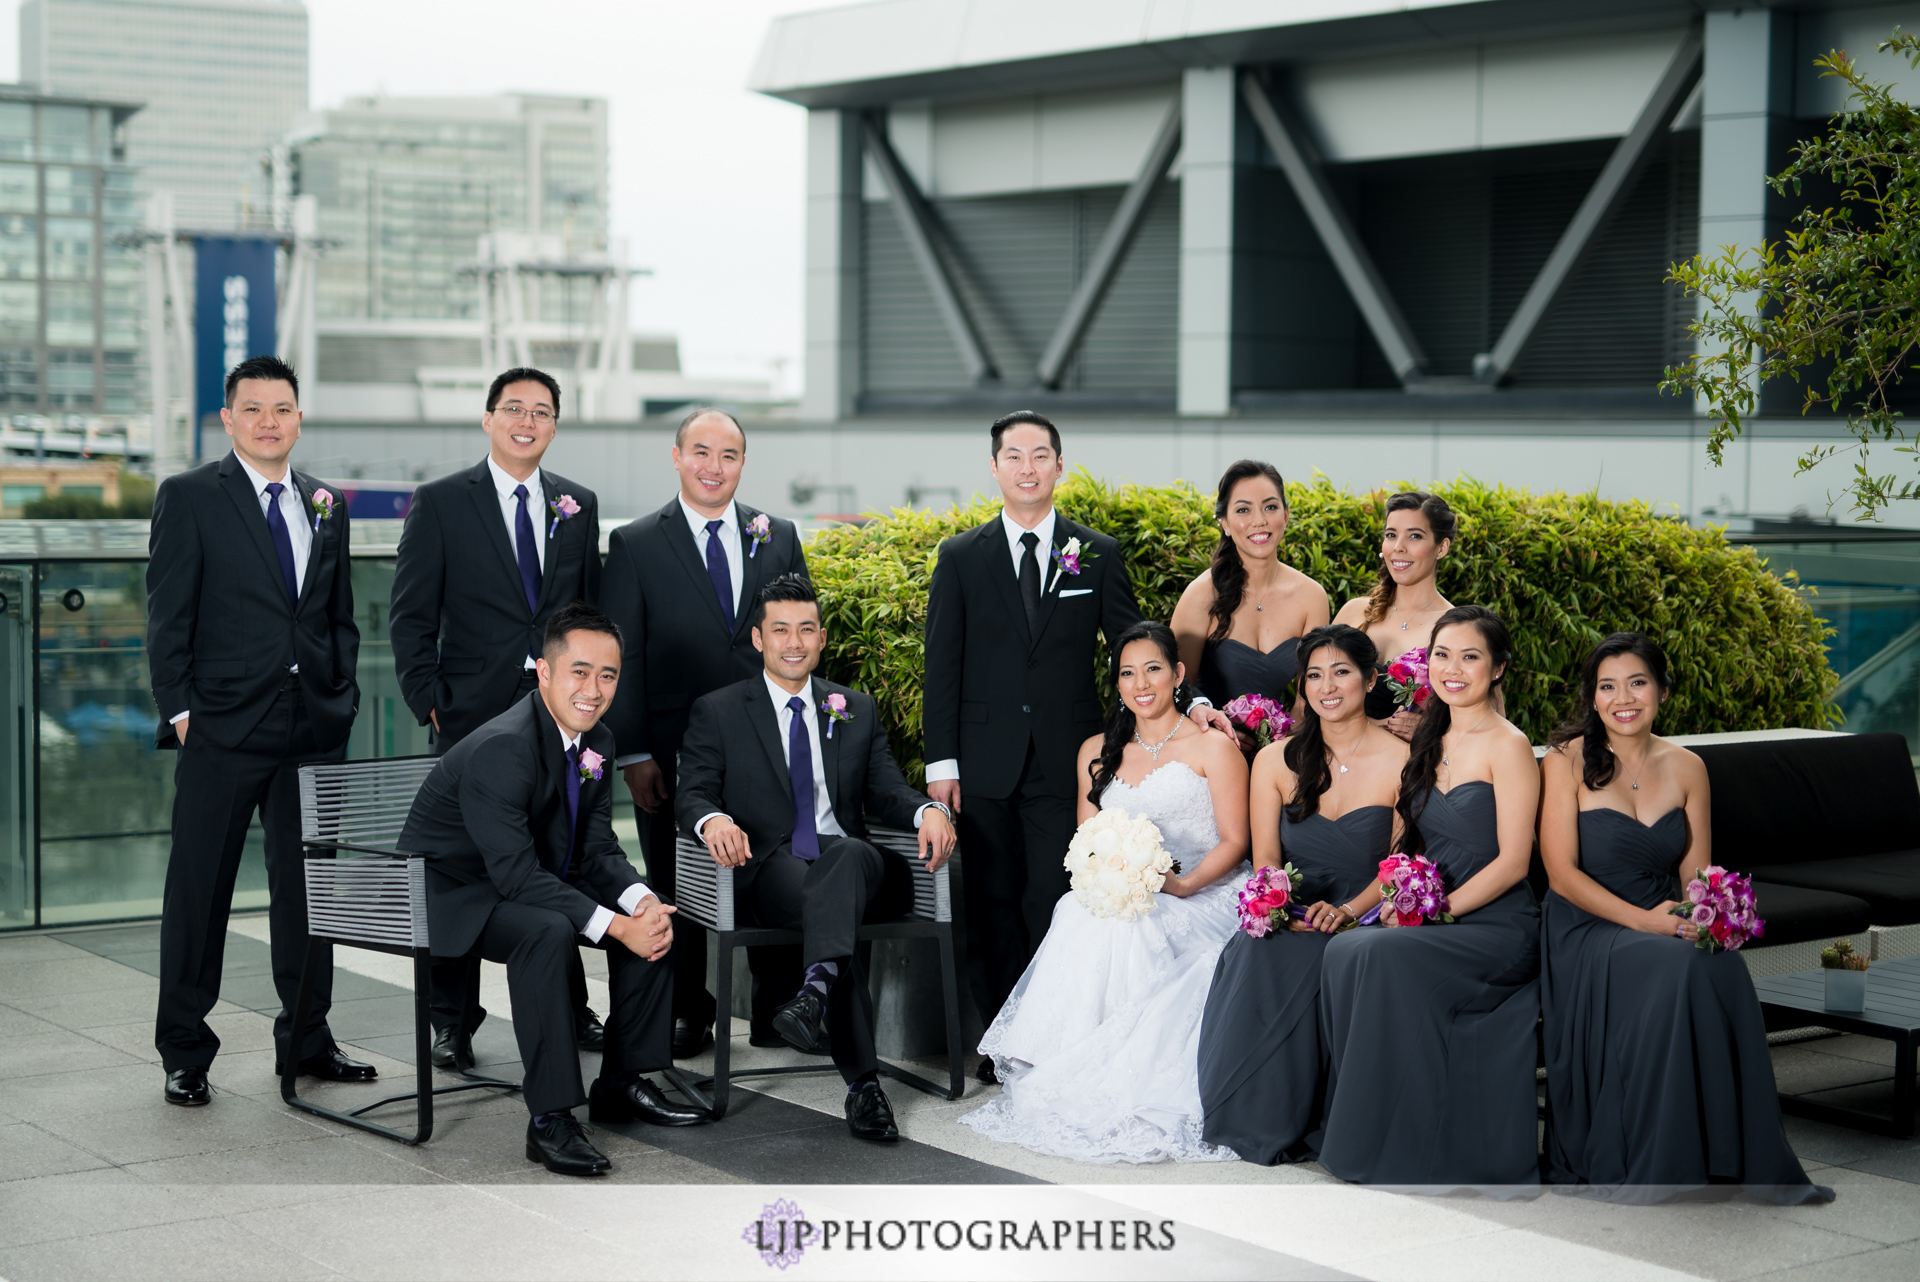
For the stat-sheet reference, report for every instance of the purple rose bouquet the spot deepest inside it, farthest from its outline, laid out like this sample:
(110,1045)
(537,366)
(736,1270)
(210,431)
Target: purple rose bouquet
(1407,678)
(1262,718)
(1721,906)
(1266,901)
(1414,890)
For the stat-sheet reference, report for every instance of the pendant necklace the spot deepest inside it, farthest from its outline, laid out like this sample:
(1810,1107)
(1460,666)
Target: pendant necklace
(1447,761)
(1153,749)
(1636,774)
(1335,758)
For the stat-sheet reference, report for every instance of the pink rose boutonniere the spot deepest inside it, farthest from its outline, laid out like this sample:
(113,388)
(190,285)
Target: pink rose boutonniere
(322,506)
(565,508)
(591,764)
(760,530)
(835,706)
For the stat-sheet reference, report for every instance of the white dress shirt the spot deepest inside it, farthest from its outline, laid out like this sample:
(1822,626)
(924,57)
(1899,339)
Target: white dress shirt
(503,485)
(630,898)
(729,533)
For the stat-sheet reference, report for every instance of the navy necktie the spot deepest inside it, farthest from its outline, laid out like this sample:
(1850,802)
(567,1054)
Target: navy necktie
(526,550)
(718,571)
(282,541)
(573,807)
(806,838)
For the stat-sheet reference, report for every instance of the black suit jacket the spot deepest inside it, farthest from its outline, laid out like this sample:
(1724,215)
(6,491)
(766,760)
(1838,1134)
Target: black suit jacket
(460,625)
(491,820)
(677,644)
(992,686)
(221,633)
(732,761)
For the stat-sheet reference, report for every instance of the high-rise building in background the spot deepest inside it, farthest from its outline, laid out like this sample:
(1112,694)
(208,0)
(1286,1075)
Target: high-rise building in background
(221,80)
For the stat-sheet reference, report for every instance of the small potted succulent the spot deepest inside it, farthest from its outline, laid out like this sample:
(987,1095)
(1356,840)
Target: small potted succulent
(1846,975)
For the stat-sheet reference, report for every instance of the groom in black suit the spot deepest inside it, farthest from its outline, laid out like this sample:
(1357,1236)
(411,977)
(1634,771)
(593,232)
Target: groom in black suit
(252,645)
(1012,616)
(777,775)
(486,557)
(516,825)
(681,584)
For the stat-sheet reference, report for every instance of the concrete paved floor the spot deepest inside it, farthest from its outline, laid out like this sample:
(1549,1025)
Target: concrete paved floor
(98,1178)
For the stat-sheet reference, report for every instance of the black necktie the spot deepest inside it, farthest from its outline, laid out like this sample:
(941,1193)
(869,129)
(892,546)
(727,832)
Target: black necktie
(1030,579)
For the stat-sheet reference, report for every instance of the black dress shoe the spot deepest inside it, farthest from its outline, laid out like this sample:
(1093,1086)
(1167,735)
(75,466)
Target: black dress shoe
(188,1087)
(588,1033)
(869,1116)
(562,1147)
(452,1051)
(985,1073)
(690,1037)
(638,1101)
(802,1022)
(332,1066)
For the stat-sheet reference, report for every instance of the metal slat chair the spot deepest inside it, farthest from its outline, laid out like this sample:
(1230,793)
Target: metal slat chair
(703,891)
(364,892)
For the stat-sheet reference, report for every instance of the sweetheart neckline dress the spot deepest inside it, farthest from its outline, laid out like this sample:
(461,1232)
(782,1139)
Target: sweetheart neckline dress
(1230,668)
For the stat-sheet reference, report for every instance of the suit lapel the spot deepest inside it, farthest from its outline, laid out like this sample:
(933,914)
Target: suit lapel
(830,745)
(486,501)
(999,569)
(549,795)
(1063,530)
(306,485)
(673,527)
(752,573)
(766,725)
(550,537)
(233,478)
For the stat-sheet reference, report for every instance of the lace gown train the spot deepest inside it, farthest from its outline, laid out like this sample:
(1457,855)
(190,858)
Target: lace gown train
(1098,1045)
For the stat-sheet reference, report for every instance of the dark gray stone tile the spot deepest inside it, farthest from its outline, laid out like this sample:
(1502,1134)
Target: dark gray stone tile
(1839,1145)
(1901,1165)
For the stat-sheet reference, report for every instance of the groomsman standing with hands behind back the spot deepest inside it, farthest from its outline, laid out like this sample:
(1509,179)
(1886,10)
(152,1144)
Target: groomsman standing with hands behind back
(486,557)
(681,584)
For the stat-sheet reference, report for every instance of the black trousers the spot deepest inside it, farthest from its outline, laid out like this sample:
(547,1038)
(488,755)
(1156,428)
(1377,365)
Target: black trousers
(1014,875)
(658,833)
(826,901)
(216,793)
(534,944)
(453,983)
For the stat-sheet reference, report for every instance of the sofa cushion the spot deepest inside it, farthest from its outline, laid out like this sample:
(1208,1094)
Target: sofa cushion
(1889,883)
(1797,801)
(1795,914)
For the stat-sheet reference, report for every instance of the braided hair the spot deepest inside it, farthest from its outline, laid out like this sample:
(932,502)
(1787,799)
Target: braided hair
(1440,520)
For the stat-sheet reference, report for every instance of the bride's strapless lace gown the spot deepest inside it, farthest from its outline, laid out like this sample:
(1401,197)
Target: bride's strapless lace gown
(1097,1050)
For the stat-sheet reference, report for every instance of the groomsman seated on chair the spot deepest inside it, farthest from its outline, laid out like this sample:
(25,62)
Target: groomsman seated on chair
(515,824)
(777,775)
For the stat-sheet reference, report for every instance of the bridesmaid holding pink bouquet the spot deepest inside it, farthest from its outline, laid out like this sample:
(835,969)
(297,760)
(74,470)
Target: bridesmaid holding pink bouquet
(1403,606)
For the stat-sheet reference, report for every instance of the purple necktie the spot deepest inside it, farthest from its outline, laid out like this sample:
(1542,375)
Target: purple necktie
(573,807)
(806,837)
(282,541)
(717,571)
(526,550)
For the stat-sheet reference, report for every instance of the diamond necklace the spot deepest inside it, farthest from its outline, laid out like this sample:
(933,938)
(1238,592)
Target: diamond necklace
(1153,749)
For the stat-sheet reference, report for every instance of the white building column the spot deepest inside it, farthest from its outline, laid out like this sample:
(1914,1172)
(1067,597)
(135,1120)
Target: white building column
(1206,241)
(1747,86)
(832,371)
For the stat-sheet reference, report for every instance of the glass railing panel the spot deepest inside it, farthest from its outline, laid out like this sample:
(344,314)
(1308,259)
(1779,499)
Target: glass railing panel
(18,892)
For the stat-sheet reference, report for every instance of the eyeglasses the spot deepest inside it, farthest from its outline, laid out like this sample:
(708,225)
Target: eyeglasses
(513,412)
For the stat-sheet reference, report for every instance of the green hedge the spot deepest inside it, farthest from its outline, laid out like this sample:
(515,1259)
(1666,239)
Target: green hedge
(1563,570)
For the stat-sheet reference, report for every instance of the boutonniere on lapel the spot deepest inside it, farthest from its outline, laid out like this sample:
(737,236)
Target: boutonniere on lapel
(835,706)
(565,508)
(760,530)
(322,507)
(1068,559)
(591,765)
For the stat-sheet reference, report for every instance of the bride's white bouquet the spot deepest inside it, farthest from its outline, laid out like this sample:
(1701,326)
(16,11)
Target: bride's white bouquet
(1118,863)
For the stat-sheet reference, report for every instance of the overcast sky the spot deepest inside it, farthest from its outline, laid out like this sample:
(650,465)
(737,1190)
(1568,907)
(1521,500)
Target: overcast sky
(707,178)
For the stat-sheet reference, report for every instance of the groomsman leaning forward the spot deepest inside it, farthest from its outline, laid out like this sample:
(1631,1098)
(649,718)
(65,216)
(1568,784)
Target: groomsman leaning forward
(777,775)
(522,866)
(681,583)
(252,645)
(486,557)
(1012,617)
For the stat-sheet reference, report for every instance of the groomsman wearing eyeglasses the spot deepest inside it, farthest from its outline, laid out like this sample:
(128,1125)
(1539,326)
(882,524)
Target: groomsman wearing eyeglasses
(681,584)
(486,557)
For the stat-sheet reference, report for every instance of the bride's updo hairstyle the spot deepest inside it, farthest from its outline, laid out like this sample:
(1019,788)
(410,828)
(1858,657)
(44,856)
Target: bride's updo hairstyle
(1306,748)
(1597,761)
(1120,725)
(1228,572)
(1440,520)
(1423,754)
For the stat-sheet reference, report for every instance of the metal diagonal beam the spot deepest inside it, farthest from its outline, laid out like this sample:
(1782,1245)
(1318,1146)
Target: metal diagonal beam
(1597,210)
(1111,253)
(916,224)
(1300,162)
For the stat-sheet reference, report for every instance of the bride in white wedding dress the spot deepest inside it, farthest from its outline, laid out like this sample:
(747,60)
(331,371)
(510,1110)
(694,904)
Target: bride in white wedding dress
(1097,1048)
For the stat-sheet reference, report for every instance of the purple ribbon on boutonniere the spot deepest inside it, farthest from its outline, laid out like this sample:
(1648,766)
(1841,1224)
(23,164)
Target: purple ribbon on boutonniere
(835,706)
(564,508)
(760,530)
(322,507)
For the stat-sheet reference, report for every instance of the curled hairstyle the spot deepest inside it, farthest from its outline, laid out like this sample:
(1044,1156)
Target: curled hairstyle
(1228,572)
(1120,725)
(1597,762)
(1440,520)
(1306,750)
(1423,755)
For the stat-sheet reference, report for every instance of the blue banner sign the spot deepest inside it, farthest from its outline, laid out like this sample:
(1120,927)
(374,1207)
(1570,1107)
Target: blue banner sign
(233,316)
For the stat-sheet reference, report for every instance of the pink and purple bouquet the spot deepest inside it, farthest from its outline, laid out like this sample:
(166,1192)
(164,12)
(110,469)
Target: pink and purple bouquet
(1721,906)
(1266,901)
(1407,678)
(1414,890)
(1262,718)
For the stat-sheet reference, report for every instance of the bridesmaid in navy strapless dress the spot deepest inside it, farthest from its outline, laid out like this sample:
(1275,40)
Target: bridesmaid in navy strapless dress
(1230,668)
(1659,1082)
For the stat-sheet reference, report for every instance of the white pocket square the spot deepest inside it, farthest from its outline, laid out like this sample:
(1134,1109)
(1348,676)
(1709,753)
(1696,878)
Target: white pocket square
(1067,592)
